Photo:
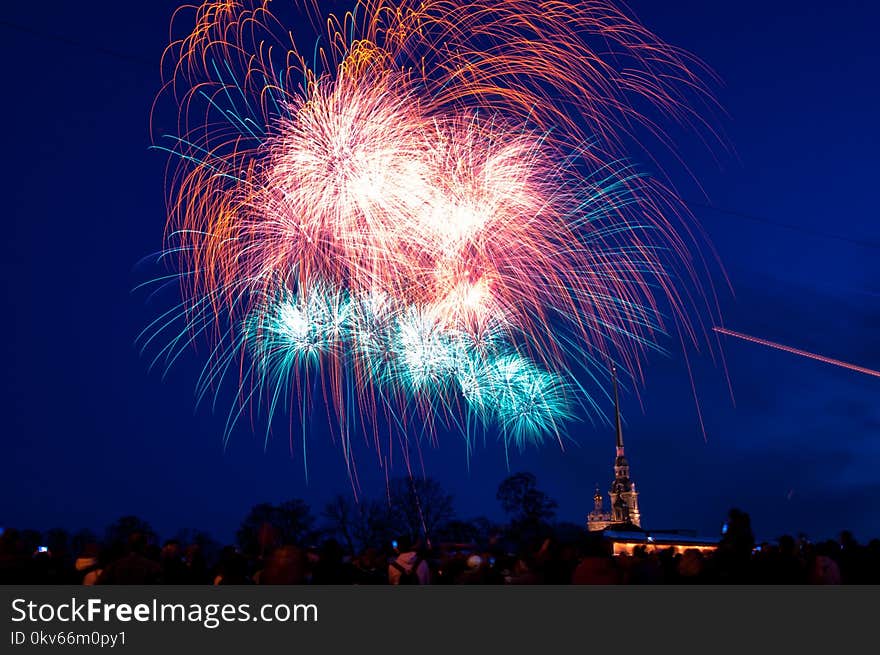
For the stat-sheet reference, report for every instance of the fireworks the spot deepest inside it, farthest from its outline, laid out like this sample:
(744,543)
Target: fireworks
(798,351)
(428,215)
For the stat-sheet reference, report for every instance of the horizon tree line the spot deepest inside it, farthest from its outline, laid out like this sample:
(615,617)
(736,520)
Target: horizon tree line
(419,510)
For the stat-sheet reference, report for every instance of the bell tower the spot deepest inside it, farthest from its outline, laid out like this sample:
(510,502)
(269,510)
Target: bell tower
(623,494)
(624,497)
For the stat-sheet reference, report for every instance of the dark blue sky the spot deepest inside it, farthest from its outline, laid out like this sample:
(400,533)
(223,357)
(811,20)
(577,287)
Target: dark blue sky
(88,434)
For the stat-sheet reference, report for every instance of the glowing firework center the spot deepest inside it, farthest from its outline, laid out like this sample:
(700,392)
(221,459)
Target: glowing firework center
(412,217)
(393,227)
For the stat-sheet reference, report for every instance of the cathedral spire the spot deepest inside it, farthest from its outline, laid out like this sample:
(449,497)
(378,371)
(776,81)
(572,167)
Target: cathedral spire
(617,413)
(623,494)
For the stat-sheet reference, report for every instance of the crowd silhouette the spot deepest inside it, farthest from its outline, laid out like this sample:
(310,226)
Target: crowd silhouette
(414,538)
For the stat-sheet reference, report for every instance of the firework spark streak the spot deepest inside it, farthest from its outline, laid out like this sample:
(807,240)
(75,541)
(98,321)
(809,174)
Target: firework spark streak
(797,351)
(429,216)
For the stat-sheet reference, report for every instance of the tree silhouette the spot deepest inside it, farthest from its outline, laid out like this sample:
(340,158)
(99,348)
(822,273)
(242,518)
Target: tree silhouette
(529,508)
(208,546)
(460,532)
(117,533)
(267,526)
(359,524)
(568,532)
(374,524)
(418,506)
(340,515)
(487,530)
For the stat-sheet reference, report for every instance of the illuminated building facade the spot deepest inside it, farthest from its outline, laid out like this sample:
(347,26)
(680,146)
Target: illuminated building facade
(621,525)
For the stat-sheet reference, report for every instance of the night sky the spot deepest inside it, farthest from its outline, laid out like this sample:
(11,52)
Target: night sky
(88,434)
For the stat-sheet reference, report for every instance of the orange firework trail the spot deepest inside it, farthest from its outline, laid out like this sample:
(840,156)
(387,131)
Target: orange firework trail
(797,351)
(430,215)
